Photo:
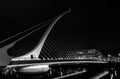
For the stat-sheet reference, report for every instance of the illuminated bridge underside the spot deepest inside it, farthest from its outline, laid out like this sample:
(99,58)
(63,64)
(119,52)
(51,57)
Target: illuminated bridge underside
(34,68)
(56,62)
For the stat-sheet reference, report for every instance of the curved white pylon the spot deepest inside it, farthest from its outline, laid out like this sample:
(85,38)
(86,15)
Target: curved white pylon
(36,51)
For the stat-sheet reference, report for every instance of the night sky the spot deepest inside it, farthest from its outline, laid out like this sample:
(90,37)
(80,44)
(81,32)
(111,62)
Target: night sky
(91,24)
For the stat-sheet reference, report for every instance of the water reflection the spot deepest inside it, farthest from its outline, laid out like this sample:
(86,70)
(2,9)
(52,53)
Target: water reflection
(72,71)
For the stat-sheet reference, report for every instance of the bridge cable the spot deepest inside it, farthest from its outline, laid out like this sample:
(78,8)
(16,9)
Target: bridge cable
(40,24)
(57,47)
(49,49)
(62,52)
(68,49)
(53,49)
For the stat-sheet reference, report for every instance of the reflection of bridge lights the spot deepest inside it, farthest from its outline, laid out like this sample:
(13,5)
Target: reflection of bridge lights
(35,68)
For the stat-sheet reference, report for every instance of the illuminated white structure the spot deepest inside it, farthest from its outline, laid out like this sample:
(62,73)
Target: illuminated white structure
(5,59)
(36,51)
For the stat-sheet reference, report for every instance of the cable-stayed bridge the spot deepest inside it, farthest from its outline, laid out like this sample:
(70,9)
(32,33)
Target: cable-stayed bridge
(46,53)
(36,50)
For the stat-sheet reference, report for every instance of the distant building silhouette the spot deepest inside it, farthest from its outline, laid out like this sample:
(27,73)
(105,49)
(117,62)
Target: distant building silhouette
(86,53)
